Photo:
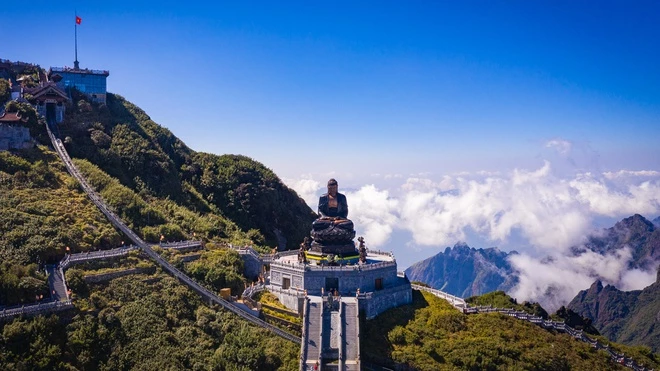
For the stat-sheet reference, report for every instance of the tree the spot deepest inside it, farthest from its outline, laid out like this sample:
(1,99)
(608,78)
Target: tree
(5,91)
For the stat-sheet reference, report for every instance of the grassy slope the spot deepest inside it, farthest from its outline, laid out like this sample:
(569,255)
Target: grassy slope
(42,210)
(431,335)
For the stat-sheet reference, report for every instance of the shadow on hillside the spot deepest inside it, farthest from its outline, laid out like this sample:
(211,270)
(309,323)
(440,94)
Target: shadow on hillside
(375,346)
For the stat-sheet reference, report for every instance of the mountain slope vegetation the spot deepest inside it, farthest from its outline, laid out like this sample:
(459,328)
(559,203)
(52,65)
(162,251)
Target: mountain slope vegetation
(430,334)
(122,141)
(146,322)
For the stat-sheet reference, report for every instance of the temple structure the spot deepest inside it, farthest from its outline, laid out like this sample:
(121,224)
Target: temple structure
(49,100)
(331,263)
(330,283)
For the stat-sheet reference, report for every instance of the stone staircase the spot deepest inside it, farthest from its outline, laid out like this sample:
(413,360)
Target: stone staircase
(58,290)
(331,334)
(312,333)
(351,334)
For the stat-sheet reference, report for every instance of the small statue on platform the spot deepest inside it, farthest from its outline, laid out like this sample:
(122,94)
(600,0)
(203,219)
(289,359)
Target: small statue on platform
(302,257)
(362,250)
(306,244)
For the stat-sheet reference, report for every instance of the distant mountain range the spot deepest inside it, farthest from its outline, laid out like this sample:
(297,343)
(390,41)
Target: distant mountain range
(628,317)
(465,271)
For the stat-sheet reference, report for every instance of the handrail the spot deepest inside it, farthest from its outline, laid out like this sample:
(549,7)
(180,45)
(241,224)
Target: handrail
(455,300)
(34,309)
(181,244)
(305,334)
(342,339)
(320,346)
(93,255)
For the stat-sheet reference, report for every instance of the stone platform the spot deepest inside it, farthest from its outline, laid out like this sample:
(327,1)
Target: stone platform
(376,283)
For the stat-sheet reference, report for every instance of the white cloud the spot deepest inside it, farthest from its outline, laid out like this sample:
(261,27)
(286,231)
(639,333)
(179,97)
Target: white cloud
(631,173)
(637,279)
(560,145)
(374,213)
(307,188)
(542,208)
(555,281)
(551,213)
(643,198)
(488,173)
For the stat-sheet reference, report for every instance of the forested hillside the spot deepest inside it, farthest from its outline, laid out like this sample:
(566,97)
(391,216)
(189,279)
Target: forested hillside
(122,141)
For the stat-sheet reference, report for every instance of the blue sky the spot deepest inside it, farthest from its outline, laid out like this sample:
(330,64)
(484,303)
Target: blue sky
(382,92)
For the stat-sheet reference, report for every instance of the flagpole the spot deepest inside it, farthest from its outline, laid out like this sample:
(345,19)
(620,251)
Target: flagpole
(75,63)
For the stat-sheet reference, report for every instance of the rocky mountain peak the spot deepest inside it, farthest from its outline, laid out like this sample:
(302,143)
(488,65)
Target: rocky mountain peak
(465,271)
(595,288)
(635,222)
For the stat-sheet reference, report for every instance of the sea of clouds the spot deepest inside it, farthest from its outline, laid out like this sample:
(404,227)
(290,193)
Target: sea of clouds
(550,212)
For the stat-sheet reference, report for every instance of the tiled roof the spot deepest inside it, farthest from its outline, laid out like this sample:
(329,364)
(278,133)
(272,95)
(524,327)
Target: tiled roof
(11,117)
(43,89)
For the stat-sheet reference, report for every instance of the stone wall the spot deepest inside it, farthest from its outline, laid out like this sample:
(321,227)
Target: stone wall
(291,300)
(383,300)
(349,278)
(15,137)
(395,291)
(252,266)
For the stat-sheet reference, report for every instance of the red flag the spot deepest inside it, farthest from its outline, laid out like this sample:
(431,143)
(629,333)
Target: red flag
(78,20)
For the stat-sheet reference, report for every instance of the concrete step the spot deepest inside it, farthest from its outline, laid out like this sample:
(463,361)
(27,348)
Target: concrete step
(56,283)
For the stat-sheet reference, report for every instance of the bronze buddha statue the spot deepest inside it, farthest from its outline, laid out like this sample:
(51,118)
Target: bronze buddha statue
(333,231)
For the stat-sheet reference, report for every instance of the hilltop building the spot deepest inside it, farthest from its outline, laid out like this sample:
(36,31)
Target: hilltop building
(89,82)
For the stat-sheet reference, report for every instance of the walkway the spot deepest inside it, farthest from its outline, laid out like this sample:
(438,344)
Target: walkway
(58,289)
(82,257)
(331,334)
(59,297)
(182,245)
(34,309)
(206,294)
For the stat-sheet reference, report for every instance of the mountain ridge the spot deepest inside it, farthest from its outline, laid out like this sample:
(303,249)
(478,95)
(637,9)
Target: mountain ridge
(628,317)
(465,271)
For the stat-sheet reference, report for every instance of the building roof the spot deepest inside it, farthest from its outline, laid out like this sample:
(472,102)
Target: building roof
(49,89)
(11,118)
(81,71)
